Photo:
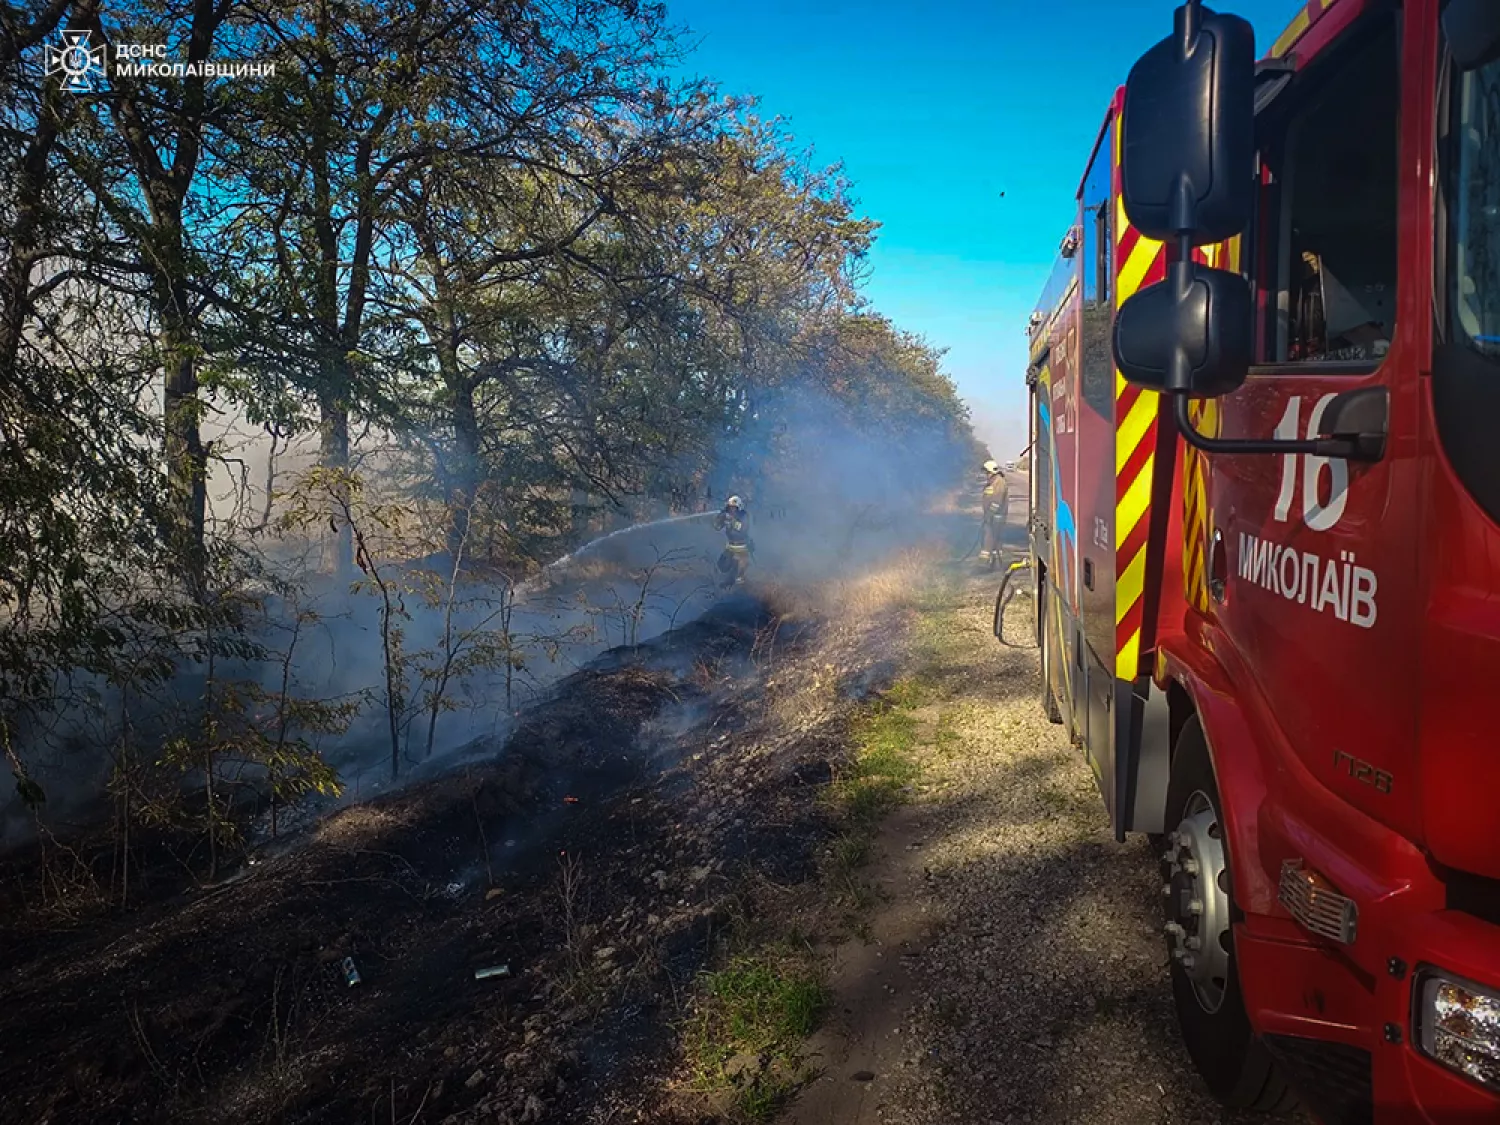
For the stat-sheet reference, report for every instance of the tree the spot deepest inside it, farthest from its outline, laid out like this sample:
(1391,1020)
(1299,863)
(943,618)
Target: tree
(497,234)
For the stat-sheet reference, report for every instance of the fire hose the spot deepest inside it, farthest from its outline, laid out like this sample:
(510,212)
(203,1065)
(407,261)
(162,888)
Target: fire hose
(984,525)
(1009,588)
(974,546)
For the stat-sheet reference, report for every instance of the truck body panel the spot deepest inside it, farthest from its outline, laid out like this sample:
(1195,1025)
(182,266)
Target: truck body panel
(1334,625)
(1095,538)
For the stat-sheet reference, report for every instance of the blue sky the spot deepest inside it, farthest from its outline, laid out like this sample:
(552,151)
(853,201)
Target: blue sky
(934,109)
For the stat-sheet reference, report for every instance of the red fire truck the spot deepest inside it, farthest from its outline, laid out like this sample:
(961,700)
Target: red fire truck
(1265,536)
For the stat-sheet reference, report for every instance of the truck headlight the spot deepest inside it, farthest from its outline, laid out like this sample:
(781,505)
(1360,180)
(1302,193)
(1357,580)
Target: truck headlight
(1458,1025)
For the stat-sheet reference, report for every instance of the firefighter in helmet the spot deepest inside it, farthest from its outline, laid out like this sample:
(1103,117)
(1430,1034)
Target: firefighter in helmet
(996,503)
(733,521)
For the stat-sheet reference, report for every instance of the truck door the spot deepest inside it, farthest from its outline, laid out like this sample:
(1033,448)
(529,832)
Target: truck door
(1321,555)
(1056,410)
(1096,470)
(1067,408)
(1039,476)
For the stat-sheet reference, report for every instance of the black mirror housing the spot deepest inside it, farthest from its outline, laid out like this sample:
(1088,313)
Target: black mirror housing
(1472,28)
(1189,334)
(1189,131)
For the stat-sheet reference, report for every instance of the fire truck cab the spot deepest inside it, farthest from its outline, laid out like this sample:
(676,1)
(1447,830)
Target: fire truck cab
(1266,538)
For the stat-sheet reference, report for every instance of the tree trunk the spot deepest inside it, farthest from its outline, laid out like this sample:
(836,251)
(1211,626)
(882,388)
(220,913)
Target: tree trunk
(165,257)
(465,474)
(337,336)
(187,457)
(333,455)
(29,188)
(15,282)
(579,501)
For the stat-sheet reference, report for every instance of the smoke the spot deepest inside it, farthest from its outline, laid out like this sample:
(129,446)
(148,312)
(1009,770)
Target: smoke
(1002,428)
(832,490)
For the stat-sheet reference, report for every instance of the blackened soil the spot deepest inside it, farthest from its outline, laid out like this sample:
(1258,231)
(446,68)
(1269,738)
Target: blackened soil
(594,853)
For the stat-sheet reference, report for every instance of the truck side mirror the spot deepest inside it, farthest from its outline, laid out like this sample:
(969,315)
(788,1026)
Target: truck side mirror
(1187,154)
(1203,316)
(1472,28)
(1189,130)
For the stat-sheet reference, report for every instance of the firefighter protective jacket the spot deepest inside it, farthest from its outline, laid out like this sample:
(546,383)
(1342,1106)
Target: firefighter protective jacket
(735,527)
(995,495)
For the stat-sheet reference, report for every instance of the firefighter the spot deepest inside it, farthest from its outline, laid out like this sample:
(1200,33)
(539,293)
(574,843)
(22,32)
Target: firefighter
(733,521)
(996,502)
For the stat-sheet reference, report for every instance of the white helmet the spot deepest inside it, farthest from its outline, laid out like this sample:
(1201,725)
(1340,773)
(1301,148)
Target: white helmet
(991,467)
(734,502)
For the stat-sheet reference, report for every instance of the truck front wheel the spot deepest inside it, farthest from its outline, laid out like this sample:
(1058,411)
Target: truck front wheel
(1205,985)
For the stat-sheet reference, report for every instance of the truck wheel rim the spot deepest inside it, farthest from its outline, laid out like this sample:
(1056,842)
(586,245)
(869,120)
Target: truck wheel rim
(1198,901)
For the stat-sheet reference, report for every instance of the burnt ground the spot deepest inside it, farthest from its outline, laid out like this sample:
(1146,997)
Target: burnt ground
(596,853)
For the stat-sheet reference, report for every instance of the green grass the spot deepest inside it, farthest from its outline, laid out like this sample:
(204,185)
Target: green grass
(763,1005)
(937,647)
(764,1098)
(884,764)
(847,890)
(889,735)
(905,695)
(935,596)
(851,850)
(878,779)
(759,1006)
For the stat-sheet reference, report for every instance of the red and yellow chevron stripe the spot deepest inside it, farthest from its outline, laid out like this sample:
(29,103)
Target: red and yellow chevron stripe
(1197,516)
(1138,262)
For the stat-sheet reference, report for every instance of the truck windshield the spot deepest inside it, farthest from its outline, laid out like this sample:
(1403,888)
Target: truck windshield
(1474,217)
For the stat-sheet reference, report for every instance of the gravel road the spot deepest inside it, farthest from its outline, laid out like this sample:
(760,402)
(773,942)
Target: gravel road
(1014,970)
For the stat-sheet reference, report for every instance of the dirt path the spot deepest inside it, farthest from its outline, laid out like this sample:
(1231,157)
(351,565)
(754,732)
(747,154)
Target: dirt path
(872,981)
(1012,970)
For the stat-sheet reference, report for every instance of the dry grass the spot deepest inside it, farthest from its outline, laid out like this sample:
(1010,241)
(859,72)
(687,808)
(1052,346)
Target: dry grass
(894,585)
(897,586)
(359,824)
(862,621)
